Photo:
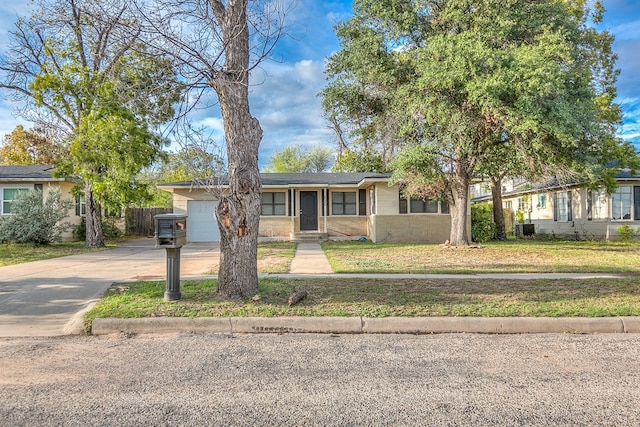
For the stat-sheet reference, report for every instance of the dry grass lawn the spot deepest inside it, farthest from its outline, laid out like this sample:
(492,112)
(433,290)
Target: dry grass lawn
(517,256)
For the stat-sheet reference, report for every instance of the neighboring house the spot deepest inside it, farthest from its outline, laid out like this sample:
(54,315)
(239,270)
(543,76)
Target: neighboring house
(577,212)
(297,206)
(14,179)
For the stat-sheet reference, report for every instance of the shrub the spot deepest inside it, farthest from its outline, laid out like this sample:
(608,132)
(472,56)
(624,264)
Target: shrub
(483,228)
(109,230)
(626,233)
(34,220)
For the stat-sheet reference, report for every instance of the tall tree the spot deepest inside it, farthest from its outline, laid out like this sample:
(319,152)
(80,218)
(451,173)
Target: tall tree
(357,101)
(79,65)
(468,76)
(31,147)
(218,43)
(296,158)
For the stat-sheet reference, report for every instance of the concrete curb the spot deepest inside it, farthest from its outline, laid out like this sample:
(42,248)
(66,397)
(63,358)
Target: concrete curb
(362,325)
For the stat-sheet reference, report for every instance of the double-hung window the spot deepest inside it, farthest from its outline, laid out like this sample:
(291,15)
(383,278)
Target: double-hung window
(81,205)
(562,206)
(274,203)
(9,195)
(596,205)
(621,202)
(343,203)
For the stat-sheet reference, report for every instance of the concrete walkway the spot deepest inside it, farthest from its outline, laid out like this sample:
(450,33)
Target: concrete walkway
(310,259)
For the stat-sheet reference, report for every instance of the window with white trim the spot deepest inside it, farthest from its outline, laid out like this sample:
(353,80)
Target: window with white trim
(621,202)
(596,205)
(81,205)
(9,195)
(562,206)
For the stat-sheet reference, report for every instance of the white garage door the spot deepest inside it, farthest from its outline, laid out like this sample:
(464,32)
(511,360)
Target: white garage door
(201,223)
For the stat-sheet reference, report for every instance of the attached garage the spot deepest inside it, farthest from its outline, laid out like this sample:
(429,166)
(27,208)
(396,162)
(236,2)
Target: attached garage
(201,223)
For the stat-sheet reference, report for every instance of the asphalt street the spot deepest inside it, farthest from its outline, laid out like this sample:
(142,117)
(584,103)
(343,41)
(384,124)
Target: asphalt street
(321,380)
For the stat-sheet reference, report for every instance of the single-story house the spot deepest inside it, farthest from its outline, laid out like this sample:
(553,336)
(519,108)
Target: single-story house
(14,179)
(575,211)
(298,206)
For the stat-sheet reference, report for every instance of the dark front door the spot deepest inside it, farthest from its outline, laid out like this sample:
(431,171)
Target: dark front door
(308,210)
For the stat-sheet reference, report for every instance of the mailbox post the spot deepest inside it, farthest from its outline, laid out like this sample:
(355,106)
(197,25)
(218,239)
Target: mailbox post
(171,234)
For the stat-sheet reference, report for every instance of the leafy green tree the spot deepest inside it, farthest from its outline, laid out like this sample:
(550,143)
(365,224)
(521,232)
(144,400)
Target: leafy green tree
(34,220)
(80,66)
(364,160)
(297,158)
(357,102)
(30,147)
(466,78)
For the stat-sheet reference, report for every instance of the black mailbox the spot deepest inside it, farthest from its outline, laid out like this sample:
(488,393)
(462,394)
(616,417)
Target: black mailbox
(171,230)
(171,234)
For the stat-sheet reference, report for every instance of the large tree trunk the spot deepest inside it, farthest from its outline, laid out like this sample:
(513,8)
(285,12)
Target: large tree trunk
(459,235)
(94,237)
(238,212)
(498,212)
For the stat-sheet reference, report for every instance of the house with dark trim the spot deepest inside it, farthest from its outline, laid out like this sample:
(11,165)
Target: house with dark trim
(298,206)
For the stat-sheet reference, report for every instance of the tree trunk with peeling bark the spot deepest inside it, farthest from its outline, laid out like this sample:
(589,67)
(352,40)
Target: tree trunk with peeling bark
(238,212)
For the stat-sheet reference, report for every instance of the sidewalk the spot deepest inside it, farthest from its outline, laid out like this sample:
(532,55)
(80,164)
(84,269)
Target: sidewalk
(310,259)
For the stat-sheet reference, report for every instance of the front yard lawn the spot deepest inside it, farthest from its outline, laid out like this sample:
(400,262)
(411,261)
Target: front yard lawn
(275,257)
(382,298)
(512,256)
(18,253)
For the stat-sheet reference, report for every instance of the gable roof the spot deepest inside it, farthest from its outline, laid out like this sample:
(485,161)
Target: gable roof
(324,179)
(28,173)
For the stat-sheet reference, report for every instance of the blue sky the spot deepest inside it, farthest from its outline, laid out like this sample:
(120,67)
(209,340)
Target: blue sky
(286,101)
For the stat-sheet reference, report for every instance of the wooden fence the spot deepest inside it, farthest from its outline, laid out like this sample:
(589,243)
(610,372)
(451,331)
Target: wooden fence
(139,221)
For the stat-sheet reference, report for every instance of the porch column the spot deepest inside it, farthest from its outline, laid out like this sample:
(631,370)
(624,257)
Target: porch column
(325,208)
(292,196)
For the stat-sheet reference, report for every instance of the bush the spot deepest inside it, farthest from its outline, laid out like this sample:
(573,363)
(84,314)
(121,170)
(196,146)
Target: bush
(626,233)
(34,220)
(109,230)
(483,228)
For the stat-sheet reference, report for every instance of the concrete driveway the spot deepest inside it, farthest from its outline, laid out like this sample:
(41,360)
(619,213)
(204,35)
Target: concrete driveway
(47,298)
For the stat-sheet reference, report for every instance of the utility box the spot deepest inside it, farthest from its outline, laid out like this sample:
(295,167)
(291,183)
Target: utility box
(171,230)
(171,234)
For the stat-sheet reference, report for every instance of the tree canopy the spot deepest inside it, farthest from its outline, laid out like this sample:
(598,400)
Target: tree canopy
(465,78)
(31,147)
(80,66)
(297,158)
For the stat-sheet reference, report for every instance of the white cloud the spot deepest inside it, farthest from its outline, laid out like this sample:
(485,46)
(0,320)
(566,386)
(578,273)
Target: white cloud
(213,123)
(626,30)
